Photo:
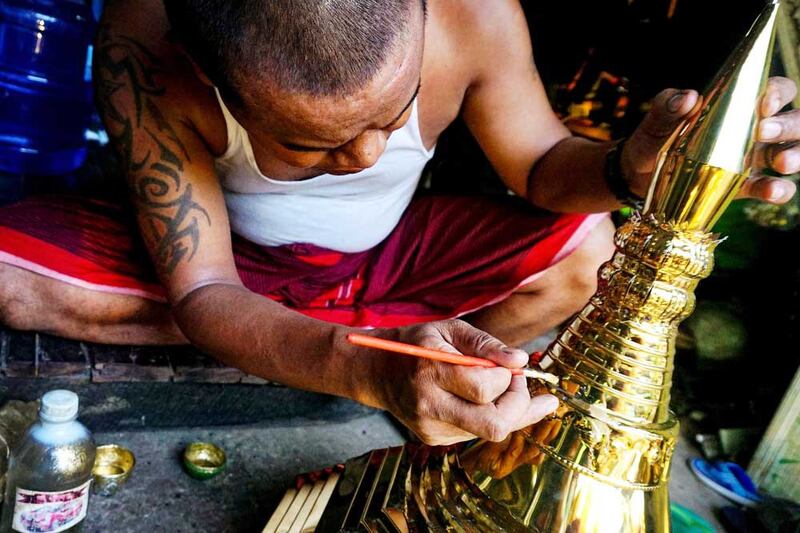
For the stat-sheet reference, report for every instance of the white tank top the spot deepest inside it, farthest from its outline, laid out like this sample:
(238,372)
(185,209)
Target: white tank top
(350,213)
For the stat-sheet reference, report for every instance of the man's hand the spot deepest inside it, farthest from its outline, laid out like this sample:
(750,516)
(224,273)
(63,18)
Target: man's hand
(444,404)
(780,133)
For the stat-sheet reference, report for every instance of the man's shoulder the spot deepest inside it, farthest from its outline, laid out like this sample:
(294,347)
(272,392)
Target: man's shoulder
(134,41)
(479,19)
(140,27)
(477,32)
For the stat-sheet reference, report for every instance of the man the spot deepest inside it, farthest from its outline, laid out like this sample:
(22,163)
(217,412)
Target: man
(303,127)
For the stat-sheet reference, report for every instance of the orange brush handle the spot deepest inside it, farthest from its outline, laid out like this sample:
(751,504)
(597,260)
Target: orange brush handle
(423,353)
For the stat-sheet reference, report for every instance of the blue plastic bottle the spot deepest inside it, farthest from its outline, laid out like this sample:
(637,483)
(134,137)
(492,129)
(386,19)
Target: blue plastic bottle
(45,85)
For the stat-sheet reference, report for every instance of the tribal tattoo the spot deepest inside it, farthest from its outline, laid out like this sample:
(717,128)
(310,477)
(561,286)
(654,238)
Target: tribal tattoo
(151,153)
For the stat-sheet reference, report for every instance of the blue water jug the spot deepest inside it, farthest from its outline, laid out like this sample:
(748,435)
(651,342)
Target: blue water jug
(45,85)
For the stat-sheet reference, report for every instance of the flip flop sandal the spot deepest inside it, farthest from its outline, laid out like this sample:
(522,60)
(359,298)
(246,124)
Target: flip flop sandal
(728,479)
(685,521)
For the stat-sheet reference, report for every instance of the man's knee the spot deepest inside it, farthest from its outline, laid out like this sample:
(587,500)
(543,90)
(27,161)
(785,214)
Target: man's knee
(13,312)
(587,259)
(571,283)
(30,302)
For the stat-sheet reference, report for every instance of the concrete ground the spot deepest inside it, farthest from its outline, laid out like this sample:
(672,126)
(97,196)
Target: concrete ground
(686,490)
(262,463)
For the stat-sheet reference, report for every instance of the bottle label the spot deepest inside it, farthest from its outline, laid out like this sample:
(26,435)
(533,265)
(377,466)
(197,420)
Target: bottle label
(50,512)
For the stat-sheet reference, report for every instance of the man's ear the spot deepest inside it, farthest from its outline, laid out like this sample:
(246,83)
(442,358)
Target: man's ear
(172,37)
(200,74)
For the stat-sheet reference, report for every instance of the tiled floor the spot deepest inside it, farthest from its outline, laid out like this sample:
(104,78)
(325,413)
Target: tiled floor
(262,464)
(37,355)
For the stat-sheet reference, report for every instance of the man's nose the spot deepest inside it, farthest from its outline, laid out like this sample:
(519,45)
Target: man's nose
(365,150)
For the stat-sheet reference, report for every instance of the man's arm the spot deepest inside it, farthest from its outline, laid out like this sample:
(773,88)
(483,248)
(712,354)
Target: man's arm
(507,110)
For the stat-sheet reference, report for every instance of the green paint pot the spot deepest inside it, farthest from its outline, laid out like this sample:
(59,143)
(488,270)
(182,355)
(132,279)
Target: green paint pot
(203,460)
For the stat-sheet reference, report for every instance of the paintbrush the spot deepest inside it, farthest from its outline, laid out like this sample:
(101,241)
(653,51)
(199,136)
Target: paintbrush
(444,357)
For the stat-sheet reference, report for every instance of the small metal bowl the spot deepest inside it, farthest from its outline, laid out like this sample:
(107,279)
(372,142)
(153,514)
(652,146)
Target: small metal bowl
(113,465)
(203,460)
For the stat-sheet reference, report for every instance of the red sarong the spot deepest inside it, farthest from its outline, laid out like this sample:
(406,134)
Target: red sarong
(447,257)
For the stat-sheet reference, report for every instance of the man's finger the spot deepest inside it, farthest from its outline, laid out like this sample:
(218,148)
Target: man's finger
(442,434)
(783,127)
(780,91)
(670,107)
(538,407)
(772,190)
(495,421)
(783,158)
(485,421)
(476,385)
(472,341)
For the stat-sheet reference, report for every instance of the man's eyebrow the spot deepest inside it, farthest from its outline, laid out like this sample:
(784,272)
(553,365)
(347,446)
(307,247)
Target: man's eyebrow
(304,148)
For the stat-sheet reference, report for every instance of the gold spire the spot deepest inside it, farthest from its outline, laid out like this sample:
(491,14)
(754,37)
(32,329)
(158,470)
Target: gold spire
(705,163)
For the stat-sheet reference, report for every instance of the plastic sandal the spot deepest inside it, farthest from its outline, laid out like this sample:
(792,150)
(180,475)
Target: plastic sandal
(728,479)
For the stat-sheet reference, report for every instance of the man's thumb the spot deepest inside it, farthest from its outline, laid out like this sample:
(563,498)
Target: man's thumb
(472,341)
(670,108)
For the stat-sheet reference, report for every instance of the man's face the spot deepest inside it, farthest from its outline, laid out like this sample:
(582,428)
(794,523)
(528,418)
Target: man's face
(337,135)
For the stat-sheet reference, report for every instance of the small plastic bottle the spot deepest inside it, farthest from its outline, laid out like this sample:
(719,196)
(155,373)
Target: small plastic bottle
(50,471)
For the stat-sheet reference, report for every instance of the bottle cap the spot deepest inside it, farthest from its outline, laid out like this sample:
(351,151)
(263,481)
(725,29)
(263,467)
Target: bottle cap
(59,406)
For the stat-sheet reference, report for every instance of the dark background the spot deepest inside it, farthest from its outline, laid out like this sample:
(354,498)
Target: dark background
(636,41)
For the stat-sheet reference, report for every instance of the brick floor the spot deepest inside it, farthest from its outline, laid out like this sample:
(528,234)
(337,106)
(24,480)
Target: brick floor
(42,356)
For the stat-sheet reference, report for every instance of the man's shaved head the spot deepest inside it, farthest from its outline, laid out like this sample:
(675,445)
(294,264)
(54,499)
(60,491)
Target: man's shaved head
(317,47)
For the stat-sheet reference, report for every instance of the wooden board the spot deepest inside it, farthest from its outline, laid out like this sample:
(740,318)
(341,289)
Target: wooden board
(775,467)
(300,510)
(788,29)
